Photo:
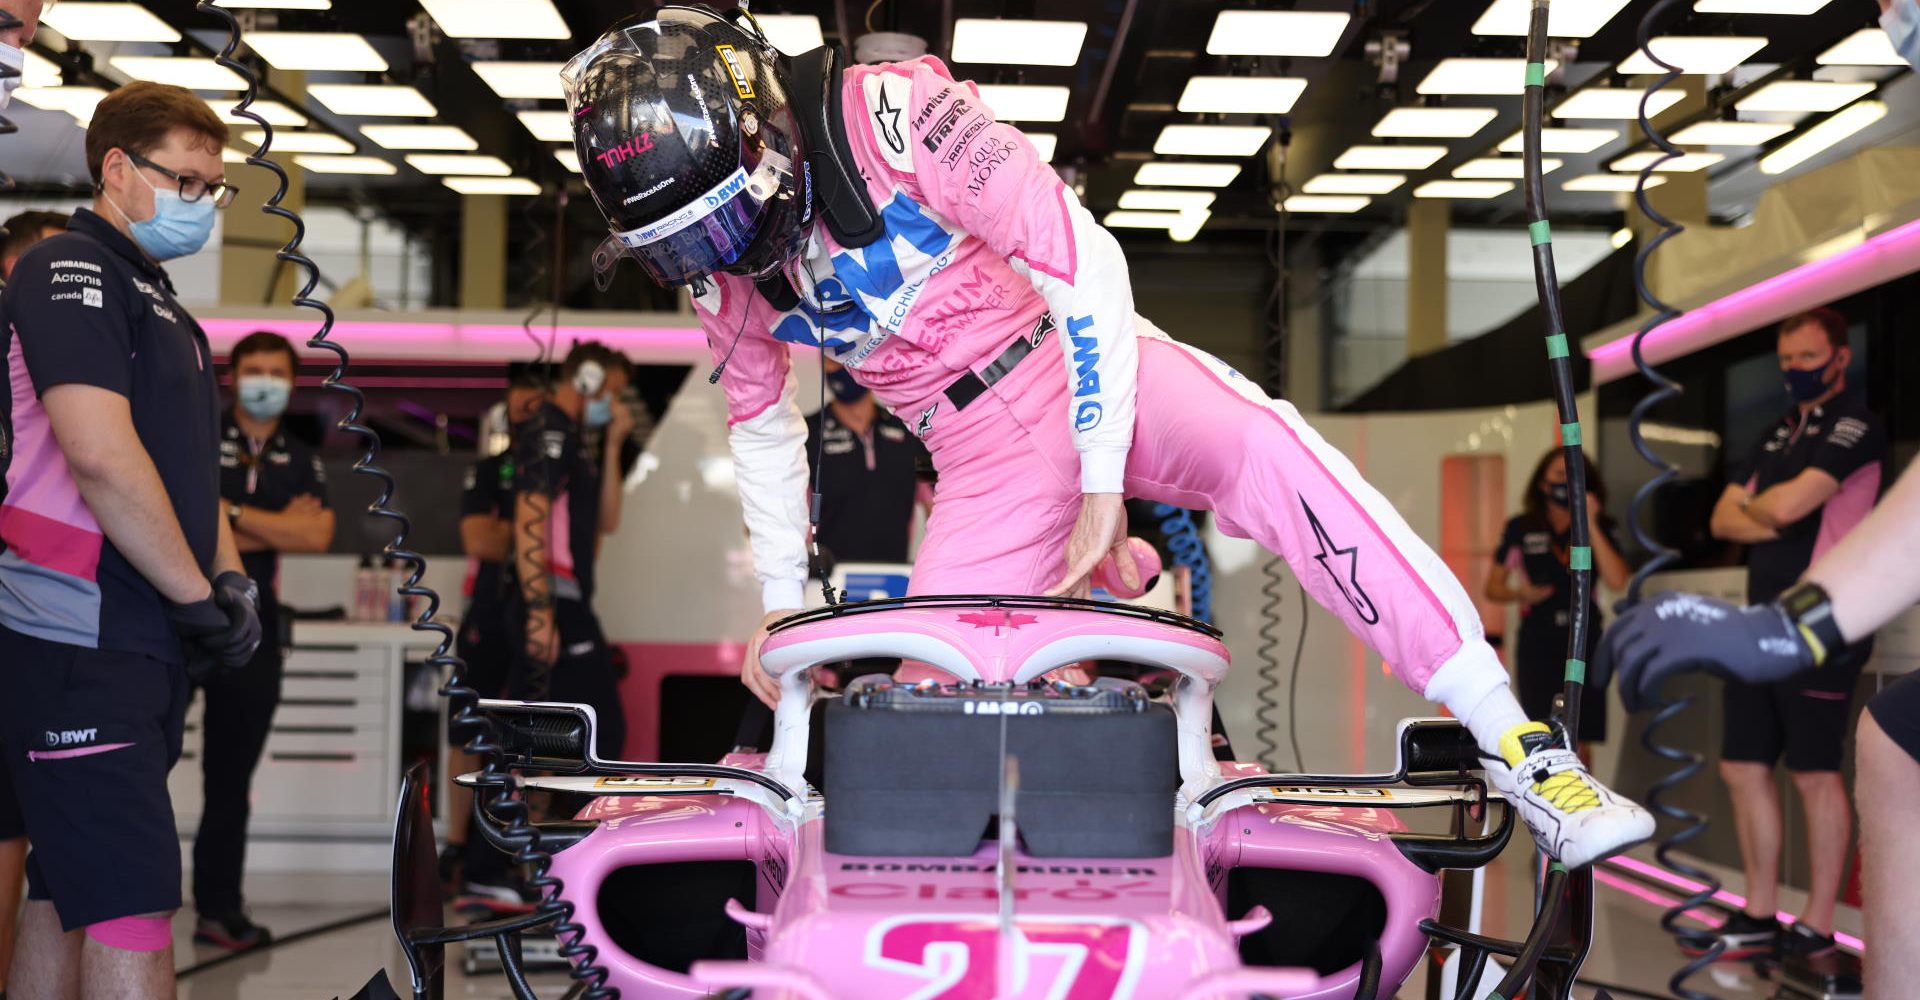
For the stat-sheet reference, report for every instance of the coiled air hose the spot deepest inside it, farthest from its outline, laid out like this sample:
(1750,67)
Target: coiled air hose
(7,127)
(1690,824)
(1273,578)
(465,718)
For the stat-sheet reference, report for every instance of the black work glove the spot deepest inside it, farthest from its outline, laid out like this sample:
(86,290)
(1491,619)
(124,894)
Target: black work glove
(200,624)
(1677,631)
(239,600)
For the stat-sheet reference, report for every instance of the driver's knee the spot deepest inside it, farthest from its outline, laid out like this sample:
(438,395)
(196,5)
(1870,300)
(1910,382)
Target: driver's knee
(146,932)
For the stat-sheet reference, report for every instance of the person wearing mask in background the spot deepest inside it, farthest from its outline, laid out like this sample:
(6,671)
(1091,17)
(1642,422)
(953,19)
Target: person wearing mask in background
(1900,19)
(1810,481)
(486,637)
(1859,585)
(565,498)
(120,582)
(23,231)
(1530,569)
(275,495)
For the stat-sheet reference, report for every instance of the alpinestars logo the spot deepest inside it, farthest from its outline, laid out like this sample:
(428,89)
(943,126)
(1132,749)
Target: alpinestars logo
(888,118)
(1344,566)
(925,423)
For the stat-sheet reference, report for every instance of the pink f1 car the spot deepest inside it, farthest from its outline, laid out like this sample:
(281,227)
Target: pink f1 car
(998,836)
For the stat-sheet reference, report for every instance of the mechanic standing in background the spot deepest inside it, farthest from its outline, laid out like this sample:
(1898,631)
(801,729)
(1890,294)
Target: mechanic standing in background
(112,529)
(870,477)
(22,232)
(1811,480)
(274,495)
(486,637)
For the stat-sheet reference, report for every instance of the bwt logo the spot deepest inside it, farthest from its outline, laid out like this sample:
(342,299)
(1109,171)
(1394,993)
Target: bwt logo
(71,737)
(726,192)
(1086,358)
(1087,416)
(642,143)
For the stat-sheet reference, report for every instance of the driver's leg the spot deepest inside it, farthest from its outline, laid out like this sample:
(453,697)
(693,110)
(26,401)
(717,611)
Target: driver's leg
(1887,761)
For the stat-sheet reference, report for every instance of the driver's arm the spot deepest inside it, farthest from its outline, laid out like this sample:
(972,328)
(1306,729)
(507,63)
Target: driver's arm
(985,175)
(766,434)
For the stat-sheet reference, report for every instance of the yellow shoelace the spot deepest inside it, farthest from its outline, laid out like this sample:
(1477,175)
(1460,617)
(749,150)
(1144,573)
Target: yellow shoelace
(1568,791)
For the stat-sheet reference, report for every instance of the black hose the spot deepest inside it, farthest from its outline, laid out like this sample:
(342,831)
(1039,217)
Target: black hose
(7,23)
(1692,824)
(1273,575)
(463,700)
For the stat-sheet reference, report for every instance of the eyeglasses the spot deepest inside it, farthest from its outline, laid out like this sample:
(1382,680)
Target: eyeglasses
(191,188)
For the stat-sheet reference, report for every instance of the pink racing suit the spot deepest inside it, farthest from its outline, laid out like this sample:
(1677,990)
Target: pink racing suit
(982,243)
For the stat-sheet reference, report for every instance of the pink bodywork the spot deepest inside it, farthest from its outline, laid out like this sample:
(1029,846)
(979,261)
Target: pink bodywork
(835,927)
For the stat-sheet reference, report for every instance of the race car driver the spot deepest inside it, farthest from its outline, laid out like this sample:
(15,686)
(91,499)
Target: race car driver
(881,214)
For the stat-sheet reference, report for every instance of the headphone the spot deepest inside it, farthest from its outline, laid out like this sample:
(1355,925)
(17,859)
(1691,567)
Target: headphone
(590,378)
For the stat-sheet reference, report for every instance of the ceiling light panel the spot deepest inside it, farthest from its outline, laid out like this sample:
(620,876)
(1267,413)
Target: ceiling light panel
(1043,145)
(1353,183)
(191,73)
(1502,168)
(372,100)
(1016,102)
(1276,33)
(1730,133)
(461,164)
(497,18)
(1505,77)
(107,22)
(316,50)
(276,113)
(1433,123)
(1017,42)
(1563,140)
(568,158)
(1326,203)
(1823,136)
(492,185)
(1700,56)
(299,142)
(511,80)
(1186,174)
(1614,103)
(39,71)
(791,33)
(1140,199)
(1580,19)
(276,4)
(419,136)
(1462,189)
(1804,95)
(1759,6)
(1211,140)
(370,165)
(76,101)
(1608,182)
(1390,157)
(1866,47)
(547,126)
(1683,164)
(1140,220)
(1241,95)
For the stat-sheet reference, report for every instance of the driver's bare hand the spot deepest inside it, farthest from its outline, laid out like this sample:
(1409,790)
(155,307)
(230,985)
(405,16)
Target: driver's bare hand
(1101,531)
(756,679)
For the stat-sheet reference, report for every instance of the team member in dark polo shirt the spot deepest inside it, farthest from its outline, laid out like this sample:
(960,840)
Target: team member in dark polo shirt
(869,474)
(274,493)
(1812,478)
(119,578)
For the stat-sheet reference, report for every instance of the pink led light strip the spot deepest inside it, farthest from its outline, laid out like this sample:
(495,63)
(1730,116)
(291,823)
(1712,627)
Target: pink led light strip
(1879,259)
(1662,875)
(468,341)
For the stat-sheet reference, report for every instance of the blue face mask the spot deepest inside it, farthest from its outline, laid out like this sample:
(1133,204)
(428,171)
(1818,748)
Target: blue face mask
(844,388)
(264,397)
(1901,22)
(1805,385)
(179,228)
(600,411)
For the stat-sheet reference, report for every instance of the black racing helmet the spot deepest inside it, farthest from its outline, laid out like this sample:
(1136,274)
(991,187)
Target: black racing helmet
(689,147)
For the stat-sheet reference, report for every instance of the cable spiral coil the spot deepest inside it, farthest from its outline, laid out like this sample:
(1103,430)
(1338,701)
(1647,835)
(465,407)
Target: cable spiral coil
(1189,550)
(1663,389)
(465,719)
(7,23)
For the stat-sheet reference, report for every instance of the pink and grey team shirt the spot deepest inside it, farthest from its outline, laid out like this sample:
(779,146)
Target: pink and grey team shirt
(548,460)
(87,307)
(981,241)
(1841,438)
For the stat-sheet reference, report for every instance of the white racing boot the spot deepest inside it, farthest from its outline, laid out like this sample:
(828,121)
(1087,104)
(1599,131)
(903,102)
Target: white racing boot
(1573,816)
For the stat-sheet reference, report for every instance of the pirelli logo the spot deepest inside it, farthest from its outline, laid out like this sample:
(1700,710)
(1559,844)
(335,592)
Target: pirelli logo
(944,125)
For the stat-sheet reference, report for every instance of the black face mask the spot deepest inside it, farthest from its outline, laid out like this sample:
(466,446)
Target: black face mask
(1557,494)
(1806,386)
(844,388)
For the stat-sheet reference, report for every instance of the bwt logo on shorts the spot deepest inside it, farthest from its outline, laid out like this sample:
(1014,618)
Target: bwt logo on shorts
(71,737)
(642,143)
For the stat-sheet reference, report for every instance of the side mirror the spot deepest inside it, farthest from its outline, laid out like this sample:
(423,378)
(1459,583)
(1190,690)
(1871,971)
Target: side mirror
(550,737)
(1437,746)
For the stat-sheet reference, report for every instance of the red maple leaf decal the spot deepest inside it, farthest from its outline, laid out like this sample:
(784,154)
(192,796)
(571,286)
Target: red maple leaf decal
(997,619)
